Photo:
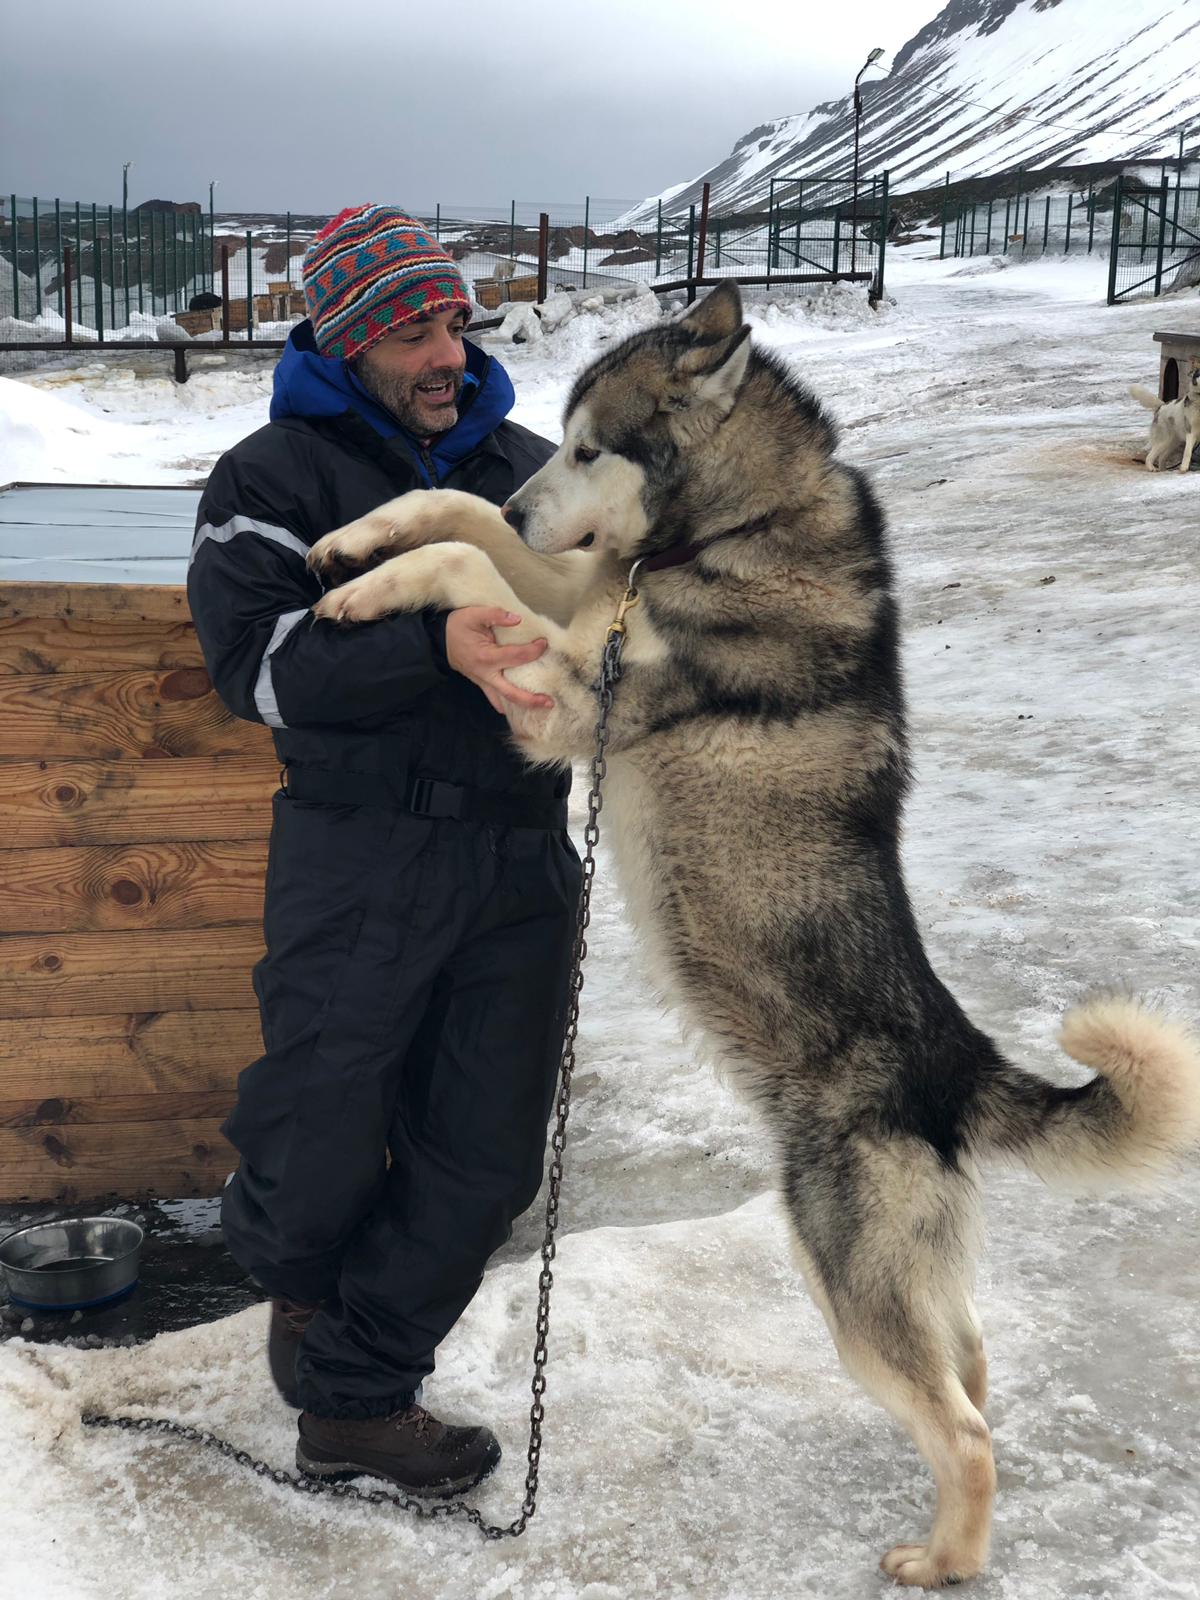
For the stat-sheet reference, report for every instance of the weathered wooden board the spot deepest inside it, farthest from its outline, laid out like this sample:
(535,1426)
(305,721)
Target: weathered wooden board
(126,1053)
(100,802)
(27,1117)
(35,645)
(105,604)
(56,975)
(128,1159)
(134,886)
(111,715)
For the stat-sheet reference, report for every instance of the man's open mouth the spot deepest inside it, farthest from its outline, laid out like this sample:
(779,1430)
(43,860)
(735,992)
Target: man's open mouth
(437,393)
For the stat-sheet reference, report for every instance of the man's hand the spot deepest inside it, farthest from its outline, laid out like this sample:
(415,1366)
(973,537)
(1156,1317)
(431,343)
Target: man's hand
(471,649)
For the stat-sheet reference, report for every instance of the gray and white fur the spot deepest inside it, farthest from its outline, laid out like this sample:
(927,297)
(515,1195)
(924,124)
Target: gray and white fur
(757,771)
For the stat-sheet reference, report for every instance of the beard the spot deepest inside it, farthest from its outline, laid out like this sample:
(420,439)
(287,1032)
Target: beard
(400,394)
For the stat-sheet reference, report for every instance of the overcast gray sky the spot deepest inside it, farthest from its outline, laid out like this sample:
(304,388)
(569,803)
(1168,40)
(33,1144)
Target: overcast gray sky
(310,105)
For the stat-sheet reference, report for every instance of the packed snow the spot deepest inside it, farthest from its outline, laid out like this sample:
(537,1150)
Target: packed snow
(701,1438)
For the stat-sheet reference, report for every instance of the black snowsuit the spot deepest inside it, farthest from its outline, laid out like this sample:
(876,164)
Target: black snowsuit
(420,900)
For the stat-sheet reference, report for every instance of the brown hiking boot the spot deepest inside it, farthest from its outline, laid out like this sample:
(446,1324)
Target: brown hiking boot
(411,1448)
(288,1323)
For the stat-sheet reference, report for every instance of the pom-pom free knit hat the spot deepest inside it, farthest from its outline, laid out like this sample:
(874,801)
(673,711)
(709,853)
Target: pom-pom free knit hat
(371,270)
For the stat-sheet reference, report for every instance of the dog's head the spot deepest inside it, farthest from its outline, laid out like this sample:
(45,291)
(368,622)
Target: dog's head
(631,420)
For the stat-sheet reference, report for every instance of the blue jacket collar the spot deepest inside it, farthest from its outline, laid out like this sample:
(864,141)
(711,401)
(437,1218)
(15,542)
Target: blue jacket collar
(308,384)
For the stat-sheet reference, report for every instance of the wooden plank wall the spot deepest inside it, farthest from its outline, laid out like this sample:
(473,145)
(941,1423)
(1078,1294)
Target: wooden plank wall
(134,812)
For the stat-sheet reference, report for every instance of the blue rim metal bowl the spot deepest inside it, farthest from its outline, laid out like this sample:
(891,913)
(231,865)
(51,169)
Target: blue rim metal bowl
(74,1265)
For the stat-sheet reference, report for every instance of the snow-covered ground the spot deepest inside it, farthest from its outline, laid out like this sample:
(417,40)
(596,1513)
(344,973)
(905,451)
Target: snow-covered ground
(701,1439)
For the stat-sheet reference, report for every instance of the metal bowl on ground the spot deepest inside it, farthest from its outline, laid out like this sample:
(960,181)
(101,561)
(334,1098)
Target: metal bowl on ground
(72,1265)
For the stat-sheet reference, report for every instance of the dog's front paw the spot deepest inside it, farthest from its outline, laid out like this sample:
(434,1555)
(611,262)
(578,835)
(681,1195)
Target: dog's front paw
(361,600)
(346,551)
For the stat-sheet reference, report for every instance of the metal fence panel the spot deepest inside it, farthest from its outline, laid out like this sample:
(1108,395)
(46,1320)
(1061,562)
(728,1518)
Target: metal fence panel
(1155,239)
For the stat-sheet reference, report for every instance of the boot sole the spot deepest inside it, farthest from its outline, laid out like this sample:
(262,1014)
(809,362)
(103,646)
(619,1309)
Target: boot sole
(333,1470)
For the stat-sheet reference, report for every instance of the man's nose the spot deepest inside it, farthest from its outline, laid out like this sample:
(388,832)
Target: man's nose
(513,515)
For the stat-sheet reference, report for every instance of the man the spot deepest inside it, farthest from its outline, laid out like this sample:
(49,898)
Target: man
(421,889)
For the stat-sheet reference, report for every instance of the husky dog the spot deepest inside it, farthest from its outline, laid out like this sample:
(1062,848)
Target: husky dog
(757,769)
(1176,423)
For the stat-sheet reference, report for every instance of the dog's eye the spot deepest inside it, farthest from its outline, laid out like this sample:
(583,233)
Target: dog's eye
(584,452)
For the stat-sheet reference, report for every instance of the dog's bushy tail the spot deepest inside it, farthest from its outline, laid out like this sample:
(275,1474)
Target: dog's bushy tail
(1132,1123)
(1144,397)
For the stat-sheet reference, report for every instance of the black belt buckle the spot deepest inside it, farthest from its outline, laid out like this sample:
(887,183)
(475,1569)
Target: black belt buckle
(427,797)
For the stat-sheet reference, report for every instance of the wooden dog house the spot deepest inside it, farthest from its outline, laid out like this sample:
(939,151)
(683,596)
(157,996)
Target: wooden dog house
(134,813)
(1179,357)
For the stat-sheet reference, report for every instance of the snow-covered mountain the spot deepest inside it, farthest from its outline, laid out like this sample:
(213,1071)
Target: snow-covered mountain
(987,86)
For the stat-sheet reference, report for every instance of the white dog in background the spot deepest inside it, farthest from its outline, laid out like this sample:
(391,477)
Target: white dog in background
(1176,423)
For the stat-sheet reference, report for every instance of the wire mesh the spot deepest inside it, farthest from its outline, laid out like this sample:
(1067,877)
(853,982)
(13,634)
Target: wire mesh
(1155,245)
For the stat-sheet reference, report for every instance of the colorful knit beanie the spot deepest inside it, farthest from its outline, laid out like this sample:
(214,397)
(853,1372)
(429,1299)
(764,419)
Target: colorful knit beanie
(371,270)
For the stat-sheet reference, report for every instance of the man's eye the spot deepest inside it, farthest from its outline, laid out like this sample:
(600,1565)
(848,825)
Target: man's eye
(584,452)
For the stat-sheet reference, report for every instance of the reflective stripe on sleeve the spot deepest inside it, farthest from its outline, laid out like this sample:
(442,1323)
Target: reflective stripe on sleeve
(230,530)
(264,688)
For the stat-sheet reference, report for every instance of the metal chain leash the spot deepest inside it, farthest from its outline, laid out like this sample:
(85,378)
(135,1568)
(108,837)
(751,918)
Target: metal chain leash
(442,1510)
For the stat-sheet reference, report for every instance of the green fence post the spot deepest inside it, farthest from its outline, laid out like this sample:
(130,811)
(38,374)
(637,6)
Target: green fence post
(15,267)
(1025,229)
(212,234)
(988,246)
(691,291)
(1091,205)
(945,205)
(249,289)
(125,258)
(770,227)
(587,212)
(658,243)
(138,267)
(97,280)
(875,294)
(1115,243)
(37,258)
(837,237)
(1046,227)
(974,214)
(799,233)
(112,274)
(78,263)
(1070,208)
(437,222)
(512,230)
(287,245)
(717,242)
(60,271)
(1163,191)
(1145,234)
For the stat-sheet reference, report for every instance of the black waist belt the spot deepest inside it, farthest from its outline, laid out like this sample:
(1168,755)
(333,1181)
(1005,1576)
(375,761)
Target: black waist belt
(424,797)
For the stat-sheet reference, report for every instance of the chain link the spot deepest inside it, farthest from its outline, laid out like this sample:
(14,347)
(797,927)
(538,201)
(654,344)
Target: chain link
(434,1511)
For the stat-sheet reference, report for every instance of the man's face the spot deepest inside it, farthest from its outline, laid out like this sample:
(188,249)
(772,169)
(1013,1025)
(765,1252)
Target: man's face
(417,372)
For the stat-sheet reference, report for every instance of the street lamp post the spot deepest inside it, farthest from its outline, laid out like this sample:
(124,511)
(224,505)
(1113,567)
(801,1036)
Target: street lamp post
(869,62)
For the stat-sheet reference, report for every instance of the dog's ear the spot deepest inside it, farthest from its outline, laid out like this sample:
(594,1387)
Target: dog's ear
(710,375)
(717,316)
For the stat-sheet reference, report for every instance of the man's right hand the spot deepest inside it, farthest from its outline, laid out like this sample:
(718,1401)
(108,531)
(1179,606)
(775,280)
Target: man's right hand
(471,649)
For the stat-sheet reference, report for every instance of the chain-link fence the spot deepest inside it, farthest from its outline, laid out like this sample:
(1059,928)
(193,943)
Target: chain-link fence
(1037,218)
(160,274)
(1155,243)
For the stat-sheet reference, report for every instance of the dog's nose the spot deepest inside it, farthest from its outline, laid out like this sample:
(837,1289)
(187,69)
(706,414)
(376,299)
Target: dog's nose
(514,516)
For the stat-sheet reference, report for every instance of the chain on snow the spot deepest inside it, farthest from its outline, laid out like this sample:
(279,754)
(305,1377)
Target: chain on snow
(434,1511)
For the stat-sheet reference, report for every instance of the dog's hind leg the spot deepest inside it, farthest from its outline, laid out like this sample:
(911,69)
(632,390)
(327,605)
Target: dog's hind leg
(1189,446)
(896,1295)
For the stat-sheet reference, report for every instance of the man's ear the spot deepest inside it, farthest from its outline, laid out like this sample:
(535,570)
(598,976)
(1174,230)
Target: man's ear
(710,375)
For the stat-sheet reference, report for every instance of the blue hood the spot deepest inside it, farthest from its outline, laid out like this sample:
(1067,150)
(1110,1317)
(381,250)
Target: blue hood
(308,384)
